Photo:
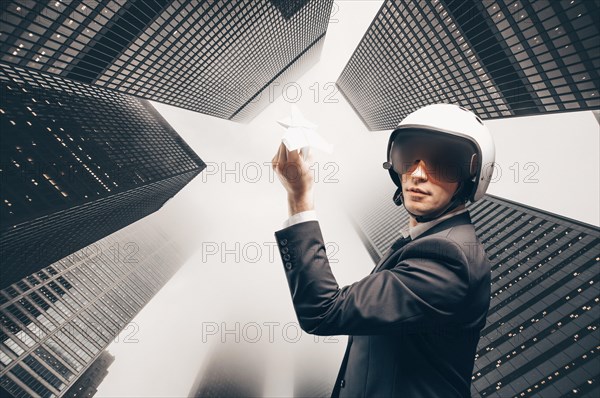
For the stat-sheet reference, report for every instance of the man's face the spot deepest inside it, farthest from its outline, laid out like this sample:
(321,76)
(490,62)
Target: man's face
(422,193)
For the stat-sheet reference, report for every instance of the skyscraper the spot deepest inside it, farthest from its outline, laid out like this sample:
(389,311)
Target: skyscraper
(498,58)
(87,384)
(542,334)
(214,57)
(57,322)
(78,162)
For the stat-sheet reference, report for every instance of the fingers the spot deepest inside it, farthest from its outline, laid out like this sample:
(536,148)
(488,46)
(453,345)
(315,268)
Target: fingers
(282,155)
(276,158)
(294,156)
(279,160)
(292,170)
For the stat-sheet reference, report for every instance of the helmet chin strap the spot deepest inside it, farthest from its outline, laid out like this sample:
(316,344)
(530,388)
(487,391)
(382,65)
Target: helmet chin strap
(456,200)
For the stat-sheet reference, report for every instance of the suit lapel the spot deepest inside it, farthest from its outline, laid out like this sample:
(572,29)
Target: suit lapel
(387,256)
(463,218)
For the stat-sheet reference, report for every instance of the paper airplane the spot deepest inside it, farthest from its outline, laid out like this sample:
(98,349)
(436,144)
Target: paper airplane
(302,134)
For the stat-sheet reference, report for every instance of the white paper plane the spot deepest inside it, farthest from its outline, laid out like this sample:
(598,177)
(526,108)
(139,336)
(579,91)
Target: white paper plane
(302,134)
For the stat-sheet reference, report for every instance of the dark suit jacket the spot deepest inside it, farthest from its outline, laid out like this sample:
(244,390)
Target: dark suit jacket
(414,322)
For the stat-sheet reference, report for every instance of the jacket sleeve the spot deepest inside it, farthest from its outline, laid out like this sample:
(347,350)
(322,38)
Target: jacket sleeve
(425,289)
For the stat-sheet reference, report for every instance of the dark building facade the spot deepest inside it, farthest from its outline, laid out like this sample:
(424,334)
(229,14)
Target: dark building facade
(498,58)
(541,337)
(87,384)
(78,162)
(57,322)
(214,57)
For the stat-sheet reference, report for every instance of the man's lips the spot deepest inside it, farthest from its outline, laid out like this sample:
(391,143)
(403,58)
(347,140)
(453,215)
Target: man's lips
(417,190)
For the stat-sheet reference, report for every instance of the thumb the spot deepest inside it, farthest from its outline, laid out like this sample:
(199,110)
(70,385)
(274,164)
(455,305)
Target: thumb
(294,156)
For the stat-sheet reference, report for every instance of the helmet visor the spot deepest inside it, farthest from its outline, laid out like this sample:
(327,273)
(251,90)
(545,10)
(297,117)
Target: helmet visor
(446,157)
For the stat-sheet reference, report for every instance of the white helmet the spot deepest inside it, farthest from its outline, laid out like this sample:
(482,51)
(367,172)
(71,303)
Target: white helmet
(450,135)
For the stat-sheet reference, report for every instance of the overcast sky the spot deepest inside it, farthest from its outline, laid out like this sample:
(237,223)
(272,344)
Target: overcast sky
(549,162)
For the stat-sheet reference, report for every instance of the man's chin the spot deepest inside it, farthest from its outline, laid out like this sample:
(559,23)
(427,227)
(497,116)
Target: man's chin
(418,209)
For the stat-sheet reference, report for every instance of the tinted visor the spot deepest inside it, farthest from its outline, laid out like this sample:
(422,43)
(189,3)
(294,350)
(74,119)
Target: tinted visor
(447,158)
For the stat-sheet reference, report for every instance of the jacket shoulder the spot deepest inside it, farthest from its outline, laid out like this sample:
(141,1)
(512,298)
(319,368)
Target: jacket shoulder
(436,247)
(463,238)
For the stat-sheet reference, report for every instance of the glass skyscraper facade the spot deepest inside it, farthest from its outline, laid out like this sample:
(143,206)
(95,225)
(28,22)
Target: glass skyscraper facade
(78,162)
(57,322)
(541,338)
(213,57)
(87,384)
(499,58)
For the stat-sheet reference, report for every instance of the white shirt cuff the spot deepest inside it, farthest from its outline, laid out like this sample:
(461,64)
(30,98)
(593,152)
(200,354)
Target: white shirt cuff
(308,215)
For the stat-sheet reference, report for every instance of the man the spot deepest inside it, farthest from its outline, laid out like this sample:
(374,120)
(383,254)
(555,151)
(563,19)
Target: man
(414,322)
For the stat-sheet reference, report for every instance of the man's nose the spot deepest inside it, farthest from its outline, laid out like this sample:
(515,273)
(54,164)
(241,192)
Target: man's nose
(419,172)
